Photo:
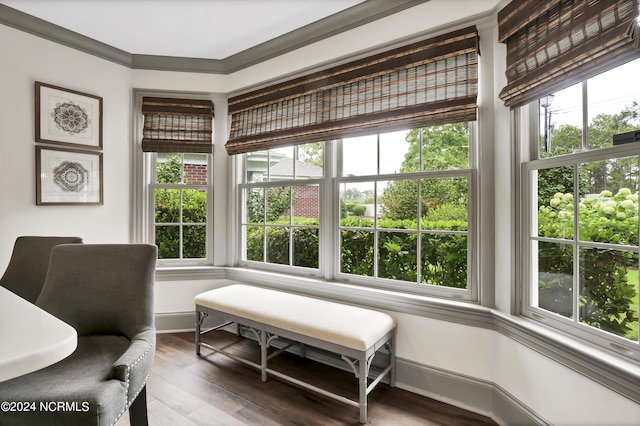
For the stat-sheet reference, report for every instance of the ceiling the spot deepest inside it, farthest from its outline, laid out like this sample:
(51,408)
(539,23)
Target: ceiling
(240,32)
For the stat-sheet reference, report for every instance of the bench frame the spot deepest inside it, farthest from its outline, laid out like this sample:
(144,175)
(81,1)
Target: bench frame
(359,361)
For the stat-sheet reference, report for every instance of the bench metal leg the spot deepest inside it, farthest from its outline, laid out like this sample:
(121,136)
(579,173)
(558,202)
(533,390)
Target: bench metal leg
(362,385)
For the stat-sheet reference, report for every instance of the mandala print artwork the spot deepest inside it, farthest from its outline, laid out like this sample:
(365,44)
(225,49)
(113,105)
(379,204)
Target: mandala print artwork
(71,118)
(70,176)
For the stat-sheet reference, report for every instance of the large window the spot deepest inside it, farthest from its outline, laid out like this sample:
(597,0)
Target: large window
(173,170)
(581,210)
(401,209)
(404,200)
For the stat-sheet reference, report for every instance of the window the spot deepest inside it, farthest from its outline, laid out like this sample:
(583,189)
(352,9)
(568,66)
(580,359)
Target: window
(403,209)
(404,200)
(582,256)
(281,205)
(180,200)
(393,204)
(175,204)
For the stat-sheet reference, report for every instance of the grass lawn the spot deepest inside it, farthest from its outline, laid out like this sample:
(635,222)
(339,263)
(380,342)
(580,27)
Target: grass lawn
(632,276)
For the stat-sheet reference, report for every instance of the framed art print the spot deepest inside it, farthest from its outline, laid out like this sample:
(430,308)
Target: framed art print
(68,176)
(68,117)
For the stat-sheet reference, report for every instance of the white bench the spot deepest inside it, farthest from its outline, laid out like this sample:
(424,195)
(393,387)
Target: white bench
(355,333)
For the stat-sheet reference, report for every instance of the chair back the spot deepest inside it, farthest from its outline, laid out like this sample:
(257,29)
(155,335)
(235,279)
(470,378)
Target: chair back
(28,265)
(101,288)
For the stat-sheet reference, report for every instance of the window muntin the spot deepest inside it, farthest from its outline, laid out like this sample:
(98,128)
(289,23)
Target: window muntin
(180,200)
(583,219)
(281,205)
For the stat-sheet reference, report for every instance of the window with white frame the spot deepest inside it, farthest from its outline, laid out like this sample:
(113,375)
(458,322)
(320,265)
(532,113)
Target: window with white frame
(177,206)
(581,210)
(405,199)
(403,208)
(281,197)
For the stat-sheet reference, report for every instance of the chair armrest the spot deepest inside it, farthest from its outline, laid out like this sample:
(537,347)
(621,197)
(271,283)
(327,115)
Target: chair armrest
(134,365)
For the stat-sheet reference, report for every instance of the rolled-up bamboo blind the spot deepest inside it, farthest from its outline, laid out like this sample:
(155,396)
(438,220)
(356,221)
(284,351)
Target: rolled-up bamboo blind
(552,44)
(177,125)
(434,81)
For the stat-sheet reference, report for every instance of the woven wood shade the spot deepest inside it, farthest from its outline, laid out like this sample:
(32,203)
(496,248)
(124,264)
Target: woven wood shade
(434,81)
(177,125)
(552,44)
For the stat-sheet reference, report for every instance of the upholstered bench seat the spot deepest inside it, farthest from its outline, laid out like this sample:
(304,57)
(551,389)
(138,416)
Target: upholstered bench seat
(353,332)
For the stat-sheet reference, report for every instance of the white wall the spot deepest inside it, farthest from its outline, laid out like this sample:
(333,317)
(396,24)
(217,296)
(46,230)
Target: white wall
(24,59)
(554,392)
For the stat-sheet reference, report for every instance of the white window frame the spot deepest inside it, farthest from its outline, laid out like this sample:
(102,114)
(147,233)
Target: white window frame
(329,260)
(528,145)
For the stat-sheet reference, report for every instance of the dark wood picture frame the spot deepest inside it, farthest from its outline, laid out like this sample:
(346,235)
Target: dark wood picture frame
(67,117)
(67,176)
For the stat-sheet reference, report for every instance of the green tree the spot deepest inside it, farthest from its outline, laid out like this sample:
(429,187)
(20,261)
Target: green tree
(443,147)
(311,153)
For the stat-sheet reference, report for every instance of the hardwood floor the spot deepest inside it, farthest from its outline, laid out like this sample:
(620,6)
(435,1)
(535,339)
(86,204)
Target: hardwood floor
(185,389)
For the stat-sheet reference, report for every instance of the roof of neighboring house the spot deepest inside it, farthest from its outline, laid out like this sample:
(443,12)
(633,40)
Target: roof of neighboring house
(284,167)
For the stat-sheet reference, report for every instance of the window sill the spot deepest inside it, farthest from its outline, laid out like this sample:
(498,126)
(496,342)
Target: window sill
(188,273)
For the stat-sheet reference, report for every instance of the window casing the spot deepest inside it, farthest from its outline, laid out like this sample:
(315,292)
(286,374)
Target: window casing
(173,197)
(378,234)
(580,211)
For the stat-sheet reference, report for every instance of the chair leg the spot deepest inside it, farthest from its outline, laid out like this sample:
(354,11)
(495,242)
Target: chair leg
(138,409)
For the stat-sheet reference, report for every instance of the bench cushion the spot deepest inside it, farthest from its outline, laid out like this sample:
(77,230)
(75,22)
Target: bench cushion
(350,326)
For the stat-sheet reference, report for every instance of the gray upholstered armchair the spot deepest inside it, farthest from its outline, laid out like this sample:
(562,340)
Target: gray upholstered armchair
(105,291)
(28,264)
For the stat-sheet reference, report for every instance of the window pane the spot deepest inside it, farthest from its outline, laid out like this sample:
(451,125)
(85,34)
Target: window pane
(167,208)
(169,167)
(195,242)
(444,147)
(397,256)
(306,204)
(310,161)
(194,206)
(278,245)
(394,147)
(256,166)
(555,202)
(360,156)
(278,204)
(561,122)
(613,104)
(255,243)
(555,278)
(609,291)
(168,242)
(444,260)
(281,163)
(195,169)
(398,204)
(610,218)
(306,247)
(357,204)
(444,203)
(356,252)
(254,198)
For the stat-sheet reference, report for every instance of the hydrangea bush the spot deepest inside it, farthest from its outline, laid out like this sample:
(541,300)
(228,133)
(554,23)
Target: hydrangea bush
(606,298)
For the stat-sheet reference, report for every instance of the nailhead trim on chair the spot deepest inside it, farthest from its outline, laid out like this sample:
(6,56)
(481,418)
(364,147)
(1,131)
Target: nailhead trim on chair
(127,404)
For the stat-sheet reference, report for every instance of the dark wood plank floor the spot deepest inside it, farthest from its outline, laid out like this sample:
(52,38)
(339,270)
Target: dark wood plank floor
(185,389)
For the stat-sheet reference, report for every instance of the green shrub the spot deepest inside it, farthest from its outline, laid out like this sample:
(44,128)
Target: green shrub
(606,297)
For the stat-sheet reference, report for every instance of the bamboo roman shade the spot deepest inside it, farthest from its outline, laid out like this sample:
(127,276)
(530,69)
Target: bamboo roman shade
(430,82)
(177,125)
(552,44)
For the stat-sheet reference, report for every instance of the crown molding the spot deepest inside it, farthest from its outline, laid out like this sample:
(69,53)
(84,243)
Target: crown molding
(360,14)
